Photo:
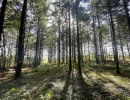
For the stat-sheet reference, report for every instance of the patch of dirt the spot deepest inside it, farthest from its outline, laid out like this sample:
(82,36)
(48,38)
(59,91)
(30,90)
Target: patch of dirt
(8,74)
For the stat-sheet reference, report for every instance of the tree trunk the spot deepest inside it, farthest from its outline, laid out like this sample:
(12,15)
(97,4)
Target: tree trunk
(2,15)
(66,44)
(88,50)
(74,45)
(63,46)
(114,40)
(127,14)
(100,40)
(95,42)
(121,45)
(37,45)
(78,42)
(128,49)
(70,65)
(4,55)
(59,22)
(21,41)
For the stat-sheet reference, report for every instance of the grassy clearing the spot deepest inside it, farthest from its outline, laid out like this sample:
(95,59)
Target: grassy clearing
(34,85)
(50,82)
(117,85)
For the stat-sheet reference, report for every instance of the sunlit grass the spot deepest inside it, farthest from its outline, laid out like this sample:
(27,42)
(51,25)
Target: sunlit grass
(105,75)
(47,82)
(35,84)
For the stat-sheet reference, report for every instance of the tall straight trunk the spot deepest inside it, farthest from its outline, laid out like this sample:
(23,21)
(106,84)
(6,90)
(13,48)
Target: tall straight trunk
(40,51)
(9,59)
(21,41)
(57,49)
(100,39)
(63,47)
(127,14)
(88,51)
(114,39)
(2,15)
(95,42)
(50,51)
(72,49)
(27,45)
(74,45)
(1,61)
(78,42)
(105,54)
(81,47)
(66,44)
(55,52)
(70,64)
(16,51)
(128,49)
(121,45)
(59,22)
(37,45)
(4,55)
(111,38)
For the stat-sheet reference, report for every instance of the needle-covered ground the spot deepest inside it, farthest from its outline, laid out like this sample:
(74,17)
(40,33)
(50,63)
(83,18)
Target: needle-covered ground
(51,82)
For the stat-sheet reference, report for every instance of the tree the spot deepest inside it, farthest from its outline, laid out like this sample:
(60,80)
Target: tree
(70,64)
(21,40)
(114,39)
(127,14)
(78,42)
(2,15)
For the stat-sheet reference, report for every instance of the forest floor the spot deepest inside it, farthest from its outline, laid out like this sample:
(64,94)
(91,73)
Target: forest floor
(50,82)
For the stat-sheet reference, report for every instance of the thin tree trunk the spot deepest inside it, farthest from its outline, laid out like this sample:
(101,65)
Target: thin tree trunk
(74,46)
(121,46)
(70,64)
(88,51)
(59,22)
(128,48)
(100,40)
(66,44)
(4,55)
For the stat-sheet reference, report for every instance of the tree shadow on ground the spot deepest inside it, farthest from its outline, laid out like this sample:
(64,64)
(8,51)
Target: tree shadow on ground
(120,87)
(66,87)
(85,91)
(36,82)
(111,68)
(76,88)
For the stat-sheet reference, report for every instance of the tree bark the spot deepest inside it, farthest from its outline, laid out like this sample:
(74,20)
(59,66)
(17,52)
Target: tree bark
(78,41)
(100,40)
(4,55)
(114,39)
(121,45)
(21,41)
(95,42)
(70,64)
(59,22)
(2,15)
(127,14)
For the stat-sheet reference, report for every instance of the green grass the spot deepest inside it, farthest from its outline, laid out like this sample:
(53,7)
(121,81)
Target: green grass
(51,82)
(105,74)
(35,84)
